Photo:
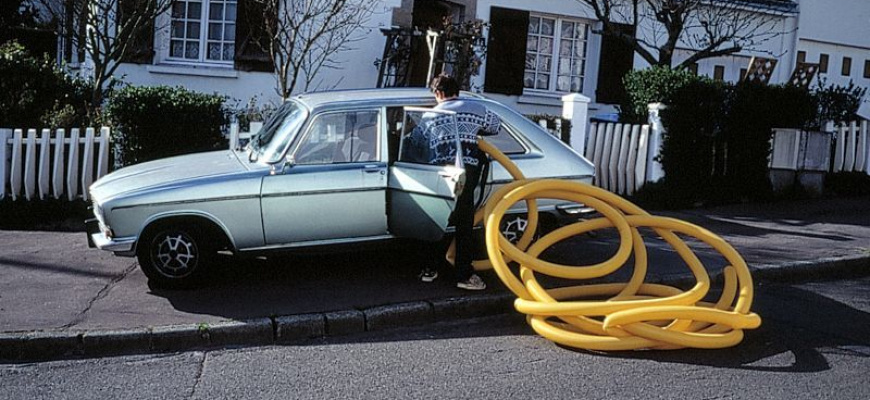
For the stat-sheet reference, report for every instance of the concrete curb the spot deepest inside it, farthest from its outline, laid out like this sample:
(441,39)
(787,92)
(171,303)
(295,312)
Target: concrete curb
(48,345)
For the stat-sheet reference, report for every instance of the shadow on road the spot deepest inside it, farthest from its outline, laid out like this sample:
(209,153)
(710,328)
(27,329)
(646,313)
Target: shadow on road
(799,327)
(294,284)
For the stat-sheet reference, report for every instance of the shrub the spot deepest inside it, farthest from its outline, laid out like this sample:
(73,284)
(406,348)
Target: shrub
(838,103)
(652,85)
(753,110)
(35,93)
(693,121)
(554,121)
(717,139)
(253,111)
(160,121)
(853,183)
(47,214)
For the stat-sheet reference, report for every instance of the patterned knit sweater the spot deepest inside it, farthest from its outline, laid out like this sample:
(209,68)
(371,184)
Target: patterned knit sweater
(472,119)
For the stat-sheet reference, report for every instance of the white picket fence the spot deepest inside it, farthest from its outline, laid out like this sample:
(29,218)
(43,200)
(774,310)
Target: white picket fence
(620,153)
(851,147)
(238,138)
(52,165)
(555,131)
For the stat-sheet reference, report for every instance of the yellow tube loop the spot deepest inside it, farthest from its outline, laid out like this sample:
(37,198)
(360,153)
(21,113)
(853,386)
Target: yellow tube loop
(612,316)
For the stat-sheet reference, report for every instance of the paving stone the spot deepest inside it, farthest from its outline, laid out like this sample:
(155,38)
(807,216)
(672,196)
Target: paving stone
(345,322)
(301,326)
(111,342)
(398,315)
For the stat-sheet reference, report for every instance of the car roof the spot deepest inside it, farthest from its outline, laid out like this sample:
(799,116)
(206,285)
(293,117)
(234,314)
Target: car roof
(361,96)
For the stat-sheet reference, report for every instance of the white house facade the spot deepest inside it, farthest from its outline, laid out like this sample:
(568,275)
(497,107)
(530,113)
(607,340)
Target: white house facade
(836,35)
(537,52)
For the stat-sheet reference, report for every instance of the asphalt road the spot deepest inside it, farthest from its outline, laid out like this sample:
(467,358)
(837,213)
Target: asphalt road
(814,344)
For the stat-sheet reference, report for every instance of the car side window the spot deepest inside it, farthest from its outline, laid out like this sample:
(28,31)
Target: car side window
(506,142)
(340,137)
(429,137)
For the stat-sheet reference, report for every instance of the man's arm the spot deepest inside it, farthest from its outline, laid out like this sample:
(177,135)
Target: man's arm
(491,124)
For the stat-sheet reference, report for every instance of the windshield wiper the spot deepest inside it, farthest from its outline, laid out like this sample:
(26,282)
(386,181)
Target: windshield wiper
(253,149)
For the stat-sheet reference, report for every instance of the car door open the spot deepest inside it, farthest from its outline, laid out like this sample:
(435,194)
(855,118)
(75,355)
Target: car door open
(427,176)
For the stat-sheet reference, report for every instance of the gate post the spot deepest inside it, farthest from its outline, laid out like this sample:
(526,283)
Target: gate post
(575,108)
(654,170)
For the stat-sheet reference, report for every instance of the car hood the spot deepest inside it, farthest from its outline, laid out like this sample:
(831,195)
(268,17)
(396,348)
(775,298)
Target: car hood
(166,172)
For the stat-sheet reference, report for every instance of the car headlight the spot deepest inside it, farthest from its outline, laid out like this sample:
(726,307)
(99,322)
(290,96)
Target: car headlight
(104,228)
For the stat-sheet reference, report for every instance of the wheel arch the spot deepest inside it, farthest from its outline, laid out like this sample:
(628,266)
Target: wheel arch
(201,219)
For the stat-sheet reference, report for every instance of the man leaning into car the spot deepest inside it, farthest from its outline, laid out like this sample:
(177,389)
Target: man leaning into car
(472,119)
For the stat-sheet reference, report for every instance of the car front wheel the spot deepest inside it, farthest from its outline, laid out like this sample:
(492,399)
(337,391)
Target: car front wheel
(174,257)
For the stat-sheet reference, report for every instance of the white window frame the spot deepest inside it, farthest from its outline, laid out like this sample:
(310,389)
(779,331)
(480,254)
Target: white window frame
(554,54)
(203,38)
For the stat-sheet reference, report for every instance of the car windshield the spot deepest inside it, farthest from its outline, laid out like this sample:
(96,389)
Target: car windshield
(277,133)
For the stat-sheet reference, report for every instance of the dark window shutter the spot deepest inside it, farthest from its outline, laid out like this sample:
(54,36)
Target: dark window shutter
(506,51)
(252,37)
(617,58)
(141,50)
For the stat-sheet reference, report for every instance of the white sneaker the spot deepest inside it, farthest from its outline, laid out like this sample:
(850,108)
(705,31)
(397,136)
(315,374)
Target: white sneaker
(428,275)
(472,283)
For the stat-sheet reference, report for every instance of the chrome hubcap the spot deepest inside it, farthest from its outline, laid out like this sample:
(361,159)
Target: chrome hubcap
(513,229)
(175,255)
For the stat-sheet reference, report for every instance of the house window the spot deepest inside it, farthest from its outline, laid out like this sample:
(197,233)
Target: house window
(555,54)
(867,69)
(719,72)
(203,31)
(847,66)
(801,56)
(823,63)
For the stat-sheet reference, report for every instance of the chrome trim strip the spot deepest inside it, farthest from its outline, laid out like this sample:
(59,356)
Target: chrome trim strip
(227,198)
(313,243)
(315,192)
(573,178)
(437,196)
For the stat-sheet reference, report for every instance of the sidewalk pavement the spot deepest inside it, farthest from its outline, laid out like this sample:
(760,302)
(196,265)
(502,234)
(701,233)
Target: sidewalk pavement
(60,299)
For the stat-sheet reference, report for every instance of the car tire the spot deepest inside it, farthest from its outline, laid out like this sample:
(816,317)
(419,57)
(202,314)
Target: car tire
(174,257)
(514,225)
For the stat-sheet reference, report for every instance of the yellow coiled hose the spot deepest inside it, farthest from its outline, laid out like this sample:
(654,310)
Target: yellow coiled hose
(612,316)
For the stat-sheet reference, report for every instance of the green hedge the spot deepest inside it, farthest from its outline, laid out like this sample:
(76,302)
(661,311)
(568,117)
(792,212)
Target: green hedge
(159,121)
(35,93)
(838,103)
(752,112)
(717,140)
(652,85)
(855,183)
(693,124)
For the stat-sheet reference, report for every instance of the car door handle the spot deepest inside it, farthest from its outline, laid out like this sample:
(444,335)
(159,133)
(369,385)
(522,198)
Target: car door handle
(371,169)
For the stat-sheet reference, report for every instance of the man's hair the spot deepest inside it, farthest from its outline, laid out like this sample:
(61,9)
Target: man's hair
(446,84)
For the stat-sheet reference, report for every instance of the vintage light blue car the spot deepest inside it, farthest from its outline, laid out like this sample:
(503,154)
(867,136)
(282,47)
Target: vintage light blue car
(324,170)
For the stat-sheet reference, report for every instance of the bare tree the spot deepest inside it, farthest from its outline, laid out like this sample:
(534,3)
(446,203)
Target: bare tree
(304,36)
(703,28)
(107,31)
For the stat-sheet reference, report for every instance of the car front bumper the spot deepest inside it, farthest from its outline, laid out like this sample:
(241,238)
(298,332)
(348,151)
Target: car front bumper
(96,239)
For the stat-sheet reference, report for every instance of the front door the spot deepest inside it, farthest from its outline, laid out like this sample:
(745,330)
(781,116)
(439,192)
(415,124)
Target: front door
(334,185)
(427,176)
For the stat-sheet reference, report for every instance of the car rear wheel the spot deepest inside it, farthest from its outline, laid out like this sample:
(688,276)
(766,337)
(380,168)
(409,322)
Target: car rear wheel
(514,225)
(173,257)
